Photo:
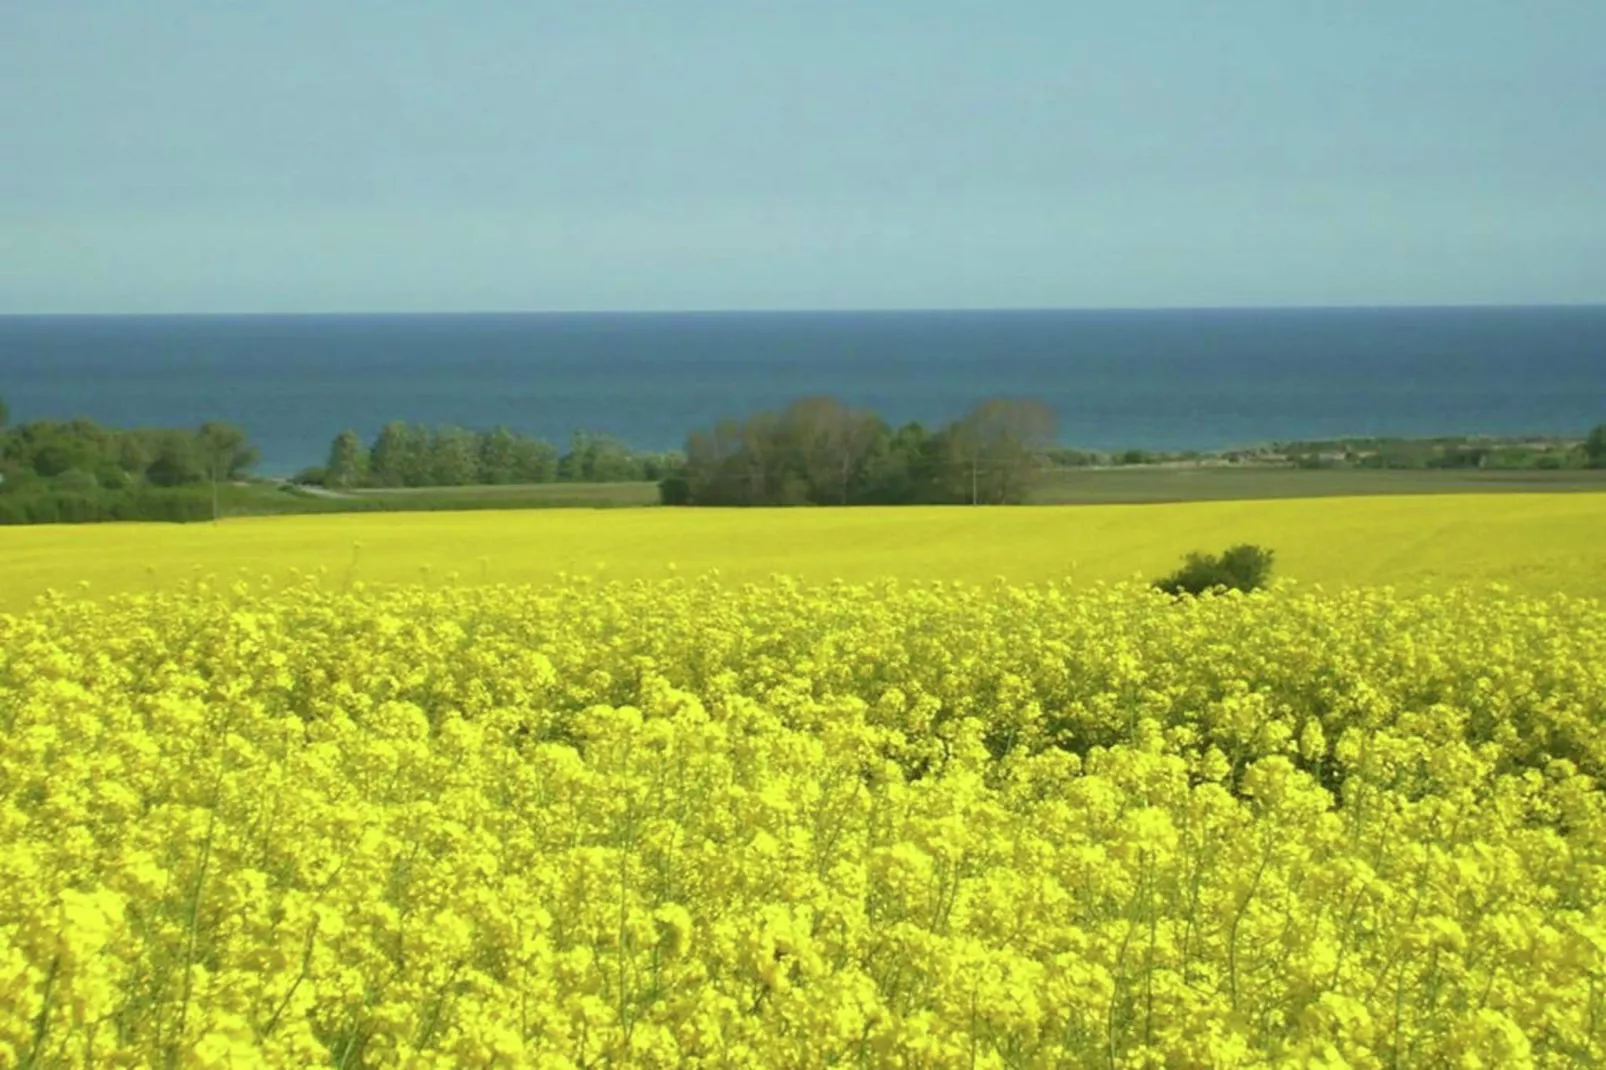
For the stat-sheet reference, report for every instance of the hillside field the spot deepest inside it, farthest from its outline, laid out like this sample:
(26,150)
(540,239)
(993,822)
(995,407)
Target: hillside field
(1537,543)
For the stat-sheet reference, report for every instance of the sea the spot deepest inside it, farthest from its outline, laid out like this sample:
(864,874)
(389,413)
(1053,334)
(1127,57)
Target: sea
(1156,379)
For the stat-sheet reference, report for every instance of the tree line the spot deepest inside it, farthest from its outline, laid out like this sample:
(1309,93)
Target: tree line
(80,470)
(816,450)
(820,451)
(416,455)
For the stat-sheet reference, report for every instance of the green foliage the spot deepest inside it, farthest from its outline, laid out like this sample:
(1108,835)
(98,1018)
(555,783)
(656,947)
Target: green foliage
(453,459)
(1244,567)
(1067,458)
(387,461)
(74,471)
(75,481)
(56,506)
(224,451)
(109,476)
(820,452)
(674,489)
(177,461)
(313,475)
(1595,447)
(407,455)
(348,462)
(996,450)
(505,457)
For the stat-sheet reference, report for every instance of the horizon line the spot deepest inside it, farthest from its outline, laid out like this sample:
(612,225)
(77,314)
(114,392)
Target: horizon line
(815,311)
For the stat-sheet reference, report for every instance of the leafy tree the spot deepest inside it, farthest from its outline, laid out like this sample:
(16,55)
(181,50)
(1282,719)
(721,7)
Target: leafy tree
(997,450)
(134,452)
(176,461)
(762,471)
(820,451)
(711,459)
(225,451)
(453,458)
(348,461)
(596,458)
(387,462)
(829,444)
(498,457)
(905,467)
(1595,447)
(49,448)
(535,461)
(418,445)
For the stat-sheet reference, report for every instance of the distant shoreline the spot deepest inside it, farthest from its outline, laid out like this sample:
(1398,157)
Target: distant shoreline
(1005,310)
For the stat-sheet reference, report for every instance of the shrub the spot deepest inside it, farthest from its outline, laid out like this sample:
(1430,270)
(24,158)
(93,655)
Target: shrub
(674,490)
(316,476)
(1244,567)
(172,504)
(72,508)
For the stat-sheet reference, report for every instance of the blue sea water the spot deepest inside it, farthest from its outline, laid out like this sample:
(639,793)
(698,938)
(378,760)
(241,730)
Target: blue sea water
(1178,379)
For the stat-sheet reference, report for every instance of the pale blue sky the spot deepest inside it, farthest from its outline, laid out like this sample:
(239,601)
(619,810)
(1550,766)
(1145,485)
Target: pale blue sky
(336,155)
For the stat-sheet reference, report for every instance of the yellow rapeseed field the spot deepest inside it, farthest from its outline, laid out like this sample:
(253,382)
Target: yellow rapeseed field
(1538,543)
(690,823)
(967,806)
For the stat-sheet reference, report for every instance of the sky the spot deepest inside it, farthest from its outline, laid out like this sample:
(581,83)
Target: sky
(178,156)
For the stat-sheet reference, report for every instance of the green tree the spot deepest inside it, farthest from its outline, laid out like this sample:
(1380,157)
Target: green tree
(712,458)
(611,461)
(906,468)
(534,460)
(134,452)
(175,459)
(827,444)
(453,458)
(820,451)
(227,453)
(1595,447)
(764,474)
(996,451)
(49,447)
(498,457)
(387,461)
(416,451)
(594,458)
(5,412)
(348,461)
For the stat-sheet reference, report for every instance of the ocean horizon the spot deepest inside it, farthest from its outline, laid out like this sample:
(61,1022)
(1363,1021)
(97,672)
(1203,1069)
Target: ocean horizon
(1161,379)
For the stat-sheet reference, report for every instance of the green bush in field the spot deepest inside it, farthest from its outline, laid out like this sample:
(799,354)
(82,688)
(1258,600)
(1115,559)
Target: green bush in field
(1244,567)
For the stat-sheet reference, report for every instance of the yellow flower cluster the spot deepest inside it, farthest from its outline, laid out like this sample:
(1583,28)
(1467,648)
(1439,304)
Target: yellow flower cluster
(688,823)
